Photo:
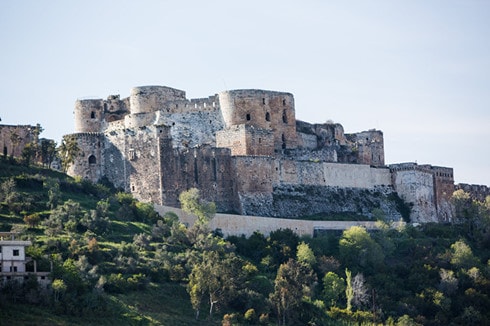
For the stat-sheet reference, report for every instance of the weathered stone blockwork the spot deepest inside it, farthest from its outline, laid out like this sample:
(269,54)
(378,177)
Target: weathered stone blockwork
(245,150)
(13,139)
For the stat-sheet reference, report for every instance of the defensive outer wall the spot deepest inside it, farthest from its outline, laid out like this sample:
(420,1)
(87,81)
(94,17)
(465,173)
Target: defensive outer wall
(237,225)
(245,151)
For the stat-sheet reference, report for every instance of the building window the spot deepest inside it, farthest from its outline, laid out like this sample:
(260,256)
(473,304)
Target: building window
(284,117)
(267,116)
(92,159)
(263,100)
(132,154)
(92,115)
(248,117)
(284,102)
(283,138)
(15,252)
(13,269)
(5,152)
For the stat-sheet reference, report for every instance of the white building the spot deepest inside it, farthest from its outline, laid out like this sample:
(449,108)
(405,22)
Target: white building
(13,260)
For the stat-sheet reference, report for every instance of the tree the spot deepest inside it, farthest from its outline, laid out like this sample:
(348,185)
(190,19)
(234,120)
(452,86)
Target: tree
(32,220)
(333,287)
(349,291)
(28,152)
(462,256)
(192,203)
(54,193)
(59,287)
(217,277)
(293,282)
(305,255)
(359,250)
(68,151)
(47,151)
(359,290)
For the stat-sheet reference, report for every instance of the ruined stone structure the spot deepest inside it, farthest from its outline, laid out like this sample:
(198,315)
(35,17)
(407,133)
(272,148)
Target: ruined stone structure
(13,139)
(477,192)
(245,150)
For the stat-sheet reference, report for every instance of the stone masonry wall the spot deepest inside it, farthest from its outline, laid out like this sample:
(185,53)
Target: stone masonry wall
(246,140)
(239,225)
(13,139)
(477,192)
(417,188)
(90,158)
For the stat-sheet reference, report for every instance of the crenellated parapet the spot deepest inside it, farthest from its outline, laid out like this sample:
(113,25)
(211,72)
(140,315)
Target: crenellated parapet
(477,192)
(427,188)
(245,151)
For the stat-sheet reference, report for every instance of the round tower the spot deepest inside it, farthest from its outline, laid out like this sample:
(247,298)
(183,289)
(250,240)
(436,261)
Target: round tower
(147,99)
(89,115)
(89,162)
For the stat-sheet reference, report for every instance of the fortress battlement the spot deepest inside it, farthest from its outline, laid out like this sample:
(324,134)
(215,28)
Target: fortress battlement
(245,150)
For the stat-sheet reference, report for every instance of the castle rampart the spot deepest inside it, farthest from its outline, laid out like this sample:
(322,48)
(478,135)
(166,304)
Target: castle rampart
(146,99)
(245,150)
(477,192)
(13,139)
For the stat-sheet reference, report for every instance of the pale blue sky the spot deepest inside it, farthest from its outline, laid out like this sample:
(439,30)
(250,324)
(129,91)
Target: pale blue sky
(418,70)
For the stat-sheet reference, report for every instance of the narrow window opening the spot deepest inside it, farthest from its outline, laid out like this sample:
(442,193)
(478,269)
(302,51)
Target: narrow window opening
(15,252)
(92,115)
(283,138)
(260,140)
(248,117)
(263,100)
(132,188)
(284,102)
(267,116)
(92,159)
(284,117)
(5,151)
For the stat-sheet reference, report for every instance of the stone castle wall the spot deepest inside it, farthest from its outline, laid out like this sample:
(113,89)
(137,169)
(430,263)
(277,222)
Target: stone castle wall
(427,188)
(13,139)
(477,192)
(246,152)
(238,225)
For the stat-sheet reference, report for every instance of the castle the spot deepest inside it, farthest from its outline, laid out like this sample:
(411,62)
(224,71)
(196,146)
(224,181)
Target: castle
(245,151)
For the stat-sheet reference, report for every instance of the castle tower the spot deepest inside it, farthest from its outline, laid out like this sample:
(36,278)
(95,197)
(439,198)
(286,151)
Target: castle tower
(89,164)
(146,101)
(89,115)
(261,112)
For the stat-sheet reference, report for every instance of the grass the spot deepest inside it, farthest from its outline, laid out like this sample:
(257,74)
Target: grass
(160,304)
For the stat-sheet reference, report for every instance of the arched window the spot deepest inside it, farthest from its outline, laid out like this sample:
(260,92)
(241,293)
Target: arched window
(267,116)
(92,159)
(92,115)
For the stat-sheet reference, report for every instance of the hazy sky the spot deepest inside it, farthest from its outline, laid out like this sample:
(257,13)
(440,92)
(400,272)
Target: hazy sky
(418,70)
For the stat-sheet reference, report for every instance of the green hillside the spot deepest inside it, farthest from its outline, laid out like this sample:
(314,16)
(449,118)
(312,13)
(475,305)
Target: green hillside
(116,261)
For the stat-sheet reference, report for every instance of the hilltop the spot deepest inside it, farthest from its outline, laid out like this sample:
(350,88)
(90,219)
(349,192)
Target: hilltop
(116,260)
